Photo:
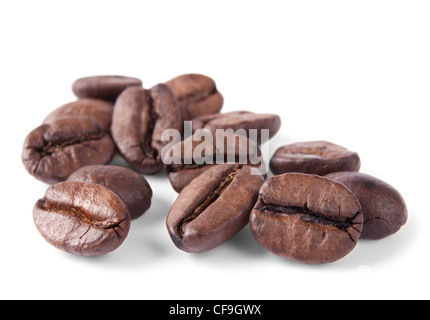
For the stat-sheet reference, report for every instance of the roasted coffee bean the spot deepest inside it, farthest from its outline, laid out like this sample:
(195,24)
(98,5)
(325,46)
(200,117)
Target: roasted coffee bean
(129,185)
(306,218)
(196,95)
(214,207)
(52,152)
(103,87)
(98,110)
(85,219)
(191,157)
(181,176)
(139,119)
(314,157)
(384,209)
(240,120)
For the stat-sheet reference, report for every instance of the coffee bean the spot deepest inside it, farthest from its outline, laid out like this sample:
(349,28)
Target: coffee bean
(196,95)
(306,218)
(384,209)
(103,87)
(314,157)
(193,156)
(129,185)
(213,207)
(240,120)
(98,110)
(52,152)
(180,177)
(82,218)
(139,119)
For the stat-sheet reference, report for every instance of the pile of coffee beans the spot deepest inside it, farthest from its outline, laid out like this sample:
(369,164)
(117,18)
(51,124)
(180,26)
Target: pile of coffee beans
(313,210)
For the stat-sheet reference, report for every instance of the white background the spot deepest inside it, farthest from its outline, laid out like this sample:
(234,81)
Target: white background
(356,73)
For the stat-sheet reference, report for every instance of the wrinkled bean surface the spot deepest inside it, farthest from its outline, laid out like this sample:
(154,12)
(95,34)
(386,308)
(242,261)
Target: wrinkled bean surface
(214,207)
(196,95)
(52,152)
(103,87)
(139,119)
(314,157)
(306,218)
(85,219)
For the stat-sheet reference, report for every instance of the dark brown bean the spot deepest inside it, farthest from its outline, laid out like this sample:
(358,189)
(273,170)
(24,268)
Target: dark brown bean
(196,95)
(103,87)
(213,207)
(139,119)
(240,120)
(306,218)
(52,152)
(97,110)
(224,147)
(384,209)
(82,218)
(314,157)
(129,185)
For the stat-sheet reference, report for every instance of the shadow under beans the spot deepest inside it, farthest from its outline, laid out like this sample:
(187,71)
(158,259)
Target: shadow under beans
(159,176)
(119,161)
(367,253)
(375,252)
(240,249)
(156,214)
(146,243)
(245,243)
